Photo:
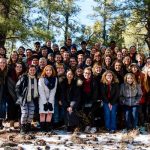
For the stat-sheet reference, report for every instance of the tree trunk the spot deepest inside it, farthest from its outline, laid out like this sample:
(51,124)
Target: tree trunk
(4,13)
(66,25)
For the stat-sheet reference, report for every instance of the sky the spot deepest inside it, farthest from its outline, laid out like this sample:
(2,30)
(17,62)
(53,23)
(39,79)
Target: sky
(86,7)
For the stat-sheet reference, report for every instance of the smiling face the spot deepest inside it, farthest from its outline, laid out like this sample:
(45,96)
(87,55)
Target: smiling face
(18,68)
(87,74)
(32,71)
(117,66)
(69,75)
(48,71)
(109,77)
(130,79)
(3,63)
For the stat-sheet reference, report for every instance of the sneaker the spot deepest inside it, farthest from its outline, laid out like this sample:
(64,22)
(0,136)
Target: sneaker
(93,130)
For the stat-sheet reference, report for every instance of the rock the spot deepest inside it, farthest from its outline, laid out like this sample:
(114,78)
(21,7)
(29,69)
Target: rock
(11,144)
(40,142)
(20,148)
(8,148)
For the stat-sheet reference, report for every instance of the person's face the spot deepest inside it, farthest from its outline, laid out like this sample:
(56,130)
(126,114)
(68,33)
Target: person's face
(93,51)
(117,66)
(69,75)
(73,51)
(107,60)
(134,69)
(109,77)
(62,51)
(127,60)
(130,79)
(35,62)
(148,62)
(29,54)
(73,62)
(37,47)
(80,59)
(42,63)
(148,72)
(66,56)
(2,51)
(14,57)
(98,69)
(18,68)
(32,71)
(87,74)
(88,61)
(97,57)
(51,58)
(3,63)
(44,52)
(60,70)
(132,50)
(79,72)
(83,46)
(48,71)
(58,58)
(55,48)
(20,51)
(108,52)
(68,42)
(48,43)
(124,52)
(119,56)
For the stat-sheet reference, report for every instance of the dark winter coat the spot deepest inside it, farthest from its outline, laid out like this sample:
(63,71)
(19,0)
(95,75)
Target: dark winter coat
(114,93)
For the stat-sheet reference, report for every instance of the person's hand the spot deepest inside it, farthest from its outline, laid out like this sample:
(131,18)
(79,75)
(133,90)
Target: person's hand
(60,103)
(69,109)
(110,106)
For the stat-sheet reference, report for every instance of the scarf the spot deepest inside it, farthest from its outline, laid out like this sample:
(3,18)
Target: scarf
(35,94)
(50,82)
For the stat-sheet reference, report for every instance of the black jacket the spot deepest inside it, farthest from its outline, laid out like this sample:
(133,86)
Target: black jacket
(114,93)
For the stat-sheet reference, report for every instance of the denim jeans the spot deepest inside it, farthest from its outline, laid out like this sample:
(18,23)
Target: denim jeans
(131,116)
(110,116)
(56,112)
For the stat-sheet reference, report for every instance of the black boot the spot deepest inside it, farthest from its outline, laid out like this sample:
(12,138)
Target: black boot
(1,124)
(43,126)
(28,127)
(23,129)
(48,126)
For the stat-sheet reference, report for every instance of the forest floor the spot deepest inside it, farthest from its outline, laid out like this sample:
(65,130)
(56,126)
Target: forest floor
(61,140)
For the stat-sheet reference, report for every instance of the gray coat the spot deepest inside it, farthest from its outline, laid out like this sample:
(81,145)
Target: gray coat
(130,96)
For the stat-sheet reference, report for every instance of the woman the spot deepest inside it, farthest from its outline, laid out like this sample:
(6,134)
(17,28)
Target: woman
(27,93)
(70,98)
(109,89)
(12,108)
(3,89)
(130,95)
(47,90)
(147,94)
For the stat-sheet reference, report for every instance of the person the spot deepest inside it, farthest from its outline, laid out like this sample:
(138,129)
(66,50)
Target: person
(89,98)
(13,110)
(84,50)
(147,94)
(27,92)
(109,93)
(3,89)
(70,98)
(130,96)
(47,90)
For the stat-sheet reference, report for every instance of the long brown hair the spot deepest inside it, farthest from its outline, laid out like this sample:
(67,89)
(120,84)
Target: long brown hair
(114,80)
(147,81)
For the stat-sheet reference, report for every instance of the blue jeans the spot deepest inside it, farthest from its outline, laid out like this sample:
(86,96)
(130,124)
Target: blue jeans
(110,116)
(131,116)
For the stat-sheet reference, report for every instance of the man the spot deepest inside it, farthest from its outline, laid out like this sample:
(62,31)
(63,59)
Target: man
(83,50)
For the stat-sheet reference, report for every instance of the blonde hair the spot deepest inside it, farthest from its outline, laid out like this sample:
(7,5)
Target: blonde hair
(44,71)
(114,80)
(134,84)
(97,64)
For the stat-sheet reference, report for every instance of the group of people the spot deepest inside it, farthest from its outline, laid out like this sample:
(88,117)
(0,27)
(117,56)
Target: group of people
(89,89)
